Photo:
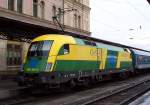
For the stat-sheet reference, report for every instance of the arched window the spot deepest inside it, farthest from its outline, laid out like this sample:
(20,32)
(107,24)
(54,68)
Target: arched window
(79,21)
(11,5)
(35,8)
(19,6)
(42,5)
(54,11)
(75,20)
(59,14)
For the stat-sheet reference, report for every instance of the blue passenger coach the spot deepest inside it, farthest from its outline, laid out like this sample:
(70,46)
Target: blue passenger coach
(141,59)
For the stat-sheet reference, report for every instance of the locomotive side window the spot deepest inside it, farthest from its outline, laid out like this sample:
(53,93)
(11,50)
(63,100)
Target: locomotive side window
(127,50)
(64,49)
(90,43)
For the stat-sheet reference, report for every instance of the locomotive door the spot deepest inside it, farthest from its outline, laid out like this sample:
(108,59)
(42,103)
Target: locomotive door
(99,58)
(111,60)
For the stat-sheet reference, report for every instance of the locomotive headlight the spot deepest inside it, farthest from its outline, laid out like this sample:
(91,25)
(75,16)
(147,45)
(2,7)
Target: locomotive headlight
(48,66)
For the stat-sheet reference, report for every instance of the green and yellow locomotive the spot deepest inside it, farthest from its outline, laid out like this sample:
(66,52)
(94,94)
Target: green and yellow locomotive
(59,59)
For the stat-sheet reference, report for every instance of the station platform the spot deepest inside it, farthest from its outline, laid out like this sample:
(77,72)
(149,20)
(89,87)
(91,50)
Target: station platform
(6,86)
(7,79)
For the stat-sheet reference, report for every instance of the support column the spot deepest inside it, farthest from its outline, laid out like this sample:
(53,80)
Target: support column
(3,55)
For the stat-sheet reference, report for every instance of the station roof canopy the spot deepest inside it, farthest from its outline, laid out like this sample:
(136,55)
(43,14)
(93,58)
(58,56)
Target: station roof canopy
(16,26)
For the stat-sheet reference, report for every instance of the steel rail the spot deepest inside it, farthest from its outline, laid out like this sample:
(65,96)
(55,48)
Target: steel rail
(85,101)
(121,91)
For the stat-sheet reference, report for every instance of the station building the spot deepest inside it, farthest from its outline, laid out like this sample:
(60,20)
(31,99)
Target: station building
(22,20)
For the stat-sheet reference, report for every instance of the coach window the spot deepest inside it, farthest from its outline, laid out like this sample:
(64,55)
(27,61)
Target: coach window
(64,49)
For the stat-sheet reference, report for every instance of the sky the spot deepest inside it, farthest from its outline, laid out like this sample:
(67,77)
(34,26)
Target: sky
(121,21)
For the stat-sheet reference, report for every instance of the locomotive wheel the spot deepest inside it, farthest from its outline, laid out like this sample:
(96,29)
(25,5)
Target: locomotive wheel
(87,83)
(72,83)
(63,87)
(123,76)
(21,84)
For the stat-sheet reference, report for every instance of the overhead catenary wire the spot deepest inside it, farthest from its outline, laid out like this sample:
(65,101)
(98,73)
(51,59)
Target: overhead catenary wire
(128,3)
(131,5)
(137,10)
(114,16)
(110,27)
(112,1)
(106,11)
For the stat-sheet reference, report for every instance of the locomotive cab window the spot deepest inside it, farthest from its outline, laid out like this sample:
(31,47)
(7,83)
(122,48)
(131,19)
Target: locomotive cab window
(40,48)
(64,49)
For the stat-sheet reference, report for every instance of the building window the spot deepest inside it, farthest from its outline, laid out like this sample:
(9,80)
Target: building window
(59,14)
(35,8)
(13,54)
(11,5)
(79,21)
(42,5)
(78,1)
(19,6)
(54,11)
(75,20)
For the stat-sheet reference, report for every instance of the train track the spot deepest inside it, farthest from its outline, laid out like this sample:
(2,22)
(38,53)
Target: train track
(17,100)
(111,89)
(123,96)
(82,97)
(25,96)
(14,95)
